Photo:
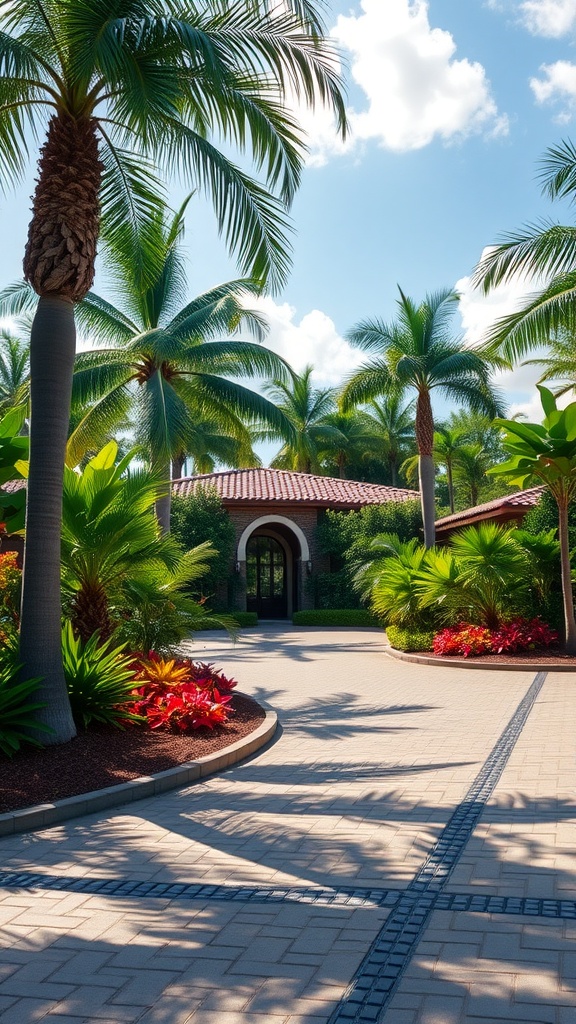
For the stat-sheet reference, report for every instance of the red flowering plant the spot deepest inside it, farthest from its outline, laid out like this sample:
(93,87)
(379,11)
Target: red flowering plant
(523,635)
(182,695)
(464,639)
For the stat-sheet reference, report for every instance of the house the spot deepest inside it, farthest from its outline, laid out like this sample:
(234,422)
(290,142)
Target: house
(507,511)
(275,513)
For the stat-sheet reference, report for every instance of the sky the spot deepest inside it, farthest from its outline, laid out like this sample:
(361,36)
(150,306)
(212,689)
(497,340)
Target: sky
(452,104)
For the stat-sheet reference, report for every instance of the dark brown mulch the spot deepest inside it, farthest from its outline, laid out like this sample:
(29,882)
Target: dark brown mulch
(104,756)
(548,657)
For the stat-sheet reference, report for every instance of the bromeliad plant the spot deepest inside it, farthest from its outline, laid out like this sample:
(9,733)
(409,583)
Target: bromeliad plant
(181,695)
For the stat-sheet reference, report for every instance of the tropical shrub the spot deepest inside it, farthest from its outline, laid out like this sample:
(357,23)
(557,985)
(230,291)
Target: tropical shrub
(337,532)
(334,590)
(14,452)
(10,586)
(405,638)
(200,518)
(181,695)
(158,612)
(482,577)
(18,707)
(100,680)
(390,580)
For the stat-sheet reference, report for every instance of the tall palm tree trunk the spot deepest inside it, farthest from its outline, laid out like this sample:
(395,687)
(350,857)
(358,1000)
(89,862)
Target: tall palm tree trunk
(52,349)
(426,474)
(164,502)
(567,594)
(59,264)
(450,482)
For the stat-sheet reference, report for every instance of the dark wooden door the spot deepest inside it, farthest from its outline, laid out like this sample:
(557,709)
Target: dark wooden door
(266,584)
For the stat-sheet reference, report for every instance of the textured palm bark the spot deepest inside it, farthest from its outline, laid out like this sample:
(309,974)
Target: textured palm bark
(164,502)
(52,350)
(426,473)
(90,614)
(178,466)
(63,233)
(59,264)
(567,593)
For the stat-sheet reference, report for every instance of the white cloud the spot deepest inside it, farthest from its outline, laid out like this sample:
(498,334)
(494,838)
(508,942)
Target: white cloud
(550,18)
(416,91)
(557,86)
(479,312)
(312,339)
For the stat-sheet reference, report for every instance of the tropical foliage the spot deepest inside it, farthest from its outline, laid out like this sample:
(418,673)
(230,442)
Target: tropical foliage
(547,454)
(420,352)
(123,90)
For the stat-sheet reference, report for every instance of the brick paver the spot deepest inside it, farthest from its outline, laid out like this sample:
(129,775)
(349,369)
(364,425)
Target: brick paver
(374,757)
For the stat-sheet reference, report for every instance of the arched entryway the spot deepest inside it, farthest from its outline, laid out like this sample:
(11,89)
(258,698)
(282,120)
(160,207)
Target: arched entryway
(271,552)
(266,577)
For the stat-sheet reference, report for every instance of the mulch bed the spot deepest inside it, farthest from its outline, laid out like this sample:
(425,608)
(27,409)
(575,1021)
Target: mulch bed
(104,756)
(548,657)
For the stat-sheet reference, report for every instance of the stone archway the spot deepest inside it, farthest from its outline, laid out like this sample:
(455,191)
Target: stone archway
(270,555)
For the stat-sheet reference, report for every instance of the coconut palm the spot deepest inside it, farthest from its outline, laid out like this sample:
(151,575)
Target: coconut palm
(123,86)
(546,250)
(418,351)
(306,408)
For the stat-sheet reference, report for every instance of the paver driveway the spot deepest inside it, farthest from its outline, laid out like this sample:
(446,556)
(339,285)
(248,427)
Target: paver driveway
(354,796)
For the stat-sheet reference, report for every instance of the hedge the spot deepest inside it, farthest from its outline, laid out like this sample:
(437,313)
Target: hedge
(242,618)
(406,639)
(335,617)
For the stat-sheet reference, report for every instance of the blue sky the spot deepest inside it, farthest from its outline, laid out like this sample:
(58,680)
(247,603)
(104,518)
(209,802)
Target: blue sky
(452,104)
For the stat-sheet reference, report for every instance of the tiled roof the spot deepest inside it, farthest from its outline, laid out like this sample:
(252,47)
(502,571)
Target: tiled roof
(519,499)
(278,485)
(13,485)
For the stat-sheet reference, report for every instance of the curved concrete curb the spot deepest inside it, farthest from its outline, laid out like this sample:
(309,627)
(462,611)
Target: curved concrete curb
(45,815)
(421,659)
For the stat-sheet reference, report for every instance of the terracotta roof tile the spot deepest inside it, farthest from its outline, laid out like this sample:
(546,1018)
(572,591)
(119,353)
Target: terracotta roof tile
(518,499)
(278,485)
(13,485)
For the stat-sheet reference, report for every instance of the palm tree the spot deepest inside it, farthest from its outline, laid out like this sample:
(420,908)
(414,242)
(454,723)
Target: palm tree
(14,370)
(547,250)
(306,408)
(156,369)
(166,370)
(126,85)
(395,426)
(447,446)
(419,352)
(471,464)
(353,441)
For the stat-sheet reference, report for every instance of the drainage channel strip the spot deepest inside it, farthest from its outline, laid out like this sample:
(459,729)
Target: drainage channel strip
(341,897)
(368,995)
